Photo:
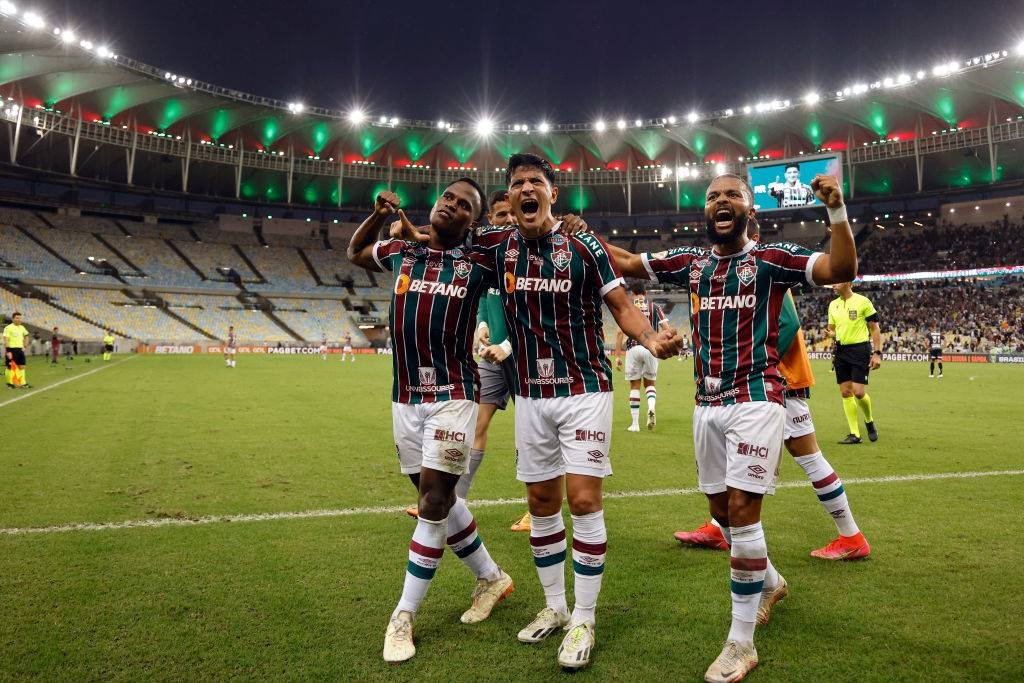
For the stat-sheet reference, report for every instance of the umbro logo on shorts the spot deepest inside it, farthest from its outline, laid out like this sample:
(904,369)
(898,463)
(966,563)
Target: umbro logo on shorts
(453,455)
(756,471)
(595,456)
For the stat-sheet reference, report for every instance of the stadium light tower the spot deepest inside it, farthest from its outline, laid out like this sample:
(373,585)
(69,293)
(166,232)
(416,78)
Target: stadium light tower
(812,98)
(484,126)
(544,127)
(356,116)
(600,125)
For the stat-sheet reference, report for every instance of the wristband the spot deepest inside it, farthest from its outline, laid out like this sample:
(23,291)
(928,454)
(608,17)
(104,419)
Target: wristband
(506,347)
(837,215)
(876,353)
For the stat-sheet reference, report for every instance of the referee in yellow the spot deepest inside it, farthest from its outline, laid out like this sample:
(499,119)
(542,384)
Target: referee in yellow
(853,321)
(15,335)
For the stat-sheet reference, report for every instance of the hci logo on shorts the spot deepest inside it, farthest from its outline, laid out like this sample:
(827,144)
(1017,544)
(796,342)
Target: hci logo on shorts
(752,450)
(712,384)
(428,376)
(449,436)
(546,367)
(590,435)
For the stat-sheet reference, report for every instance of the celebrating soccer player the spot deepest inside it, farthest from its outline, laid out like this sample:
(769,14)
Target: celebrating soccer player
(552,288)
(437,285)
(800,441)
(641,366)
(736,290)
(853,321)
(230,348)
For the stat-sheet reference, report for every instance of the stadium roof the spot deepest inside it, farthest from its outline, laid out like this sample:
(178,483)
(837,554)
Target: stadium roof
(933,112)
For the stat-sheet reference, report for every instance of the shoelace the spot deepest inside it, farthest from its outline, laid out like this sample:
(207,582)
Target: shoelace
(576,635)
(730,655)
(403,631)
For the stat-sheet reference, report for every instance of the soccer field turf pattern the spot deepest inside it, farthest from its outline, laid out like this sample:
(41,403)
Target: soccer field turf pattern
(185,437)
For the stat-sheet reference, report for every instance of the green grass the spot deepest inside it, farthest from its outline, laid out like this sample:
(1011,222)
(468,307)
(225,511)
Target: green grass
(309,598)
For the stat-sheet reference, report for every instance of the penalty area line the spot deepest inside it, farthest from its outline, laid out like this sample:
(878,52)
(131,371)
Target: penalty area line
(35,392)
(494,502)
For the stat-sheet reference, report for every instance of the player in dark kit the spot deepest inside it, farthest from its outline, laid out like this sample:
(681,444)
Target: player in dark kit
(553,287)
(934,352)
(737,289)
(437,286)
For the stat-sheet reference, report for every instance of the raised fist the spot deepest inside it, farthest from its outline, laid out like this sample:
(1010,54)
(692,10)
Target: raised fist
(827,190)
(386,203)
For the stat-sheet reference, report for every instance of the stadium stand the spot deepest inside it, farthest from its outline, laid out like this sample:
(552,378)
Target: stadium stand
(313,318)
(945,247)
(215,313)
(973,316)
(39,314)
(282,267)
(143,323)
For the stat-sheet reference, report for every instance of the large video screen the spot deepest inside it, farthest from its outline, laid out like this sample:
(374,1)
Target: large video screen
(787,184)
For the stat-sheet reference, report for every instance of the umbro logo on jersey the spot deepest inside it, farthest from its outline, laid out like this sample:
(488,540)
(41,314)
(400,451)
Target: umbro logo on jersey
(752,450)
(449,436)
(511,254)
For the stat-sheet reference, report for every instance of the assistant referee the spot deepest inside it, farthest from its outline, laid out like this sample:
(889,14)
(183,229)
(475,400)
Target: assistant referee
(853,321)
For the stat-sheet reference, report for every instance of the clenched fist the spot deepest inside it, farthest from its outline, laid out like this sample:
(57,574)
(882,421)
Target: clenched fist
(386,203)
(827,190)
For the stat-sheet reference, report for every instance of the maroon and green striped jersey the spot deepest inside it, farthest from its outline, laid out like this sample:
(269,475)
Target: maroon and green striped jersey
(552,289)
(433,309)
(735,303)
(655,316)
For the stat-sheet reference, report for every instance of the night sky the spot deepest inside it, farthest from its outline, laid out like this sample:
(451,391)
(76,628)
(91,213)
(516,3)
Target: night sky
(566,62)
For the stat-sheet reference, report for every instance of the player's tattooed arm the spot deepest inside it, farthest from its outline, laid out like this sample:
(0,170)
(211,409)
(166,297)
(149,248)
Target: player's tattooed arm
(360,247)
(630,264)
(663,344)
(840,263)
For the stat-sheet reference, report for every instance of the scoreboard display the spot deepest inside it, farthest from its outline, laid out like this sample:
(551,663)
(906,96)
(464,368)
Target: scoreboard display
(787,184)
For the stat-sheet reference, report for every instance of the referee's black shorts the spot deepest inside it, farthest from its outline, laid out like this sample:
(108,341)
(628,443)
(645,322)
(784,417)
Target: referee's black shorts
(17,355)
(852,362)
(934,354)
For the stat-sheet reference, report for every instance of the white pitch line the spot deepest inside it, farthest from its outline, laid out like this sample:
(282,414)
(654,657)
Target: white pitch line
(36,392)
(494,502)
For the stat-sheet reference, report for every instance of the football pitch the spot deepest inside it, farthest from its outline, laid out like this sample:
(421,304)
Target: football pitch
(167,518)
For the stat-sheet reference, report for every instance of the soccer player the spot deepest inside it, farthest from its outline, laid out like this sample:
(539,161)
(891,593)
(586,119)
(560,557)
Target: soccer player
(853,321)
(347,347)
(108,345)
(323,348)
(641,366)
(552,288)
(54,347)
(230,349)
(15,335)
(800,441)
(437,286)
(792,192)
(737,289)
(934,352)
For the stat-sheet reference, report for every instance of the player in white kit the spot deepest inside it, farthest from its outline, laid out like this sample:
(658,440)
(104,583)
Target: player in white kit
(346,348)
(641,365)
